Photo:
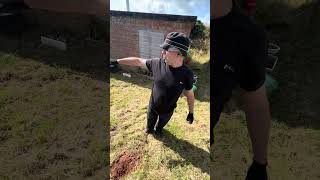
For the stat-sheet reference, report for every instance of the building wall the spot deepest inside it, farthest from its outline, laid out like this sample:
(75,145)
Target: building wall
(124,32)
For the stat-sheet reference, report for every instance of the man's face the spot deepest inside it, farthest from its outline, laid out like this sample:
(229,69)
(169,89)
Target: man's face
(169,56)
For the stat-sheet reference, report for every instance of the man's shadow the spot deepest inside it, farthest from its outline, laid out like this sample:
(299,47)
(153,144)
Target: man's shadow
(190,153)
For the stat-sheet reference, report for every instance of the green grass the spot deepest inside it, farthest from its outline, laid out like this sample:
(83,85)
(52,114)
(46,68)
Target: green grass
(183,151)
(293,152)
(52,121)
(176,130)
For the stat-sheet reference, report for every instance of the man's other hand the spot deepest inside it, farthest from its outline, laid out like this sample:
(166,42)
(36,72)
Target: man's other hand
(190,118)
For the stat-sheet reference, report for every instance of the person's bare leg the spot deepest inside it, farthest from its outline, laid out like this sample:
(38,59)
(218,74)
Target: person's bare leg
(258,117)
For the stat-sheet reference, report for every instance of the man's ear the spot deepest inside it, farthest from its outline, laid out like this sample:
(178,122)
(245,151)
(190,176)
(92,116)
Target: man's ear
(162,53)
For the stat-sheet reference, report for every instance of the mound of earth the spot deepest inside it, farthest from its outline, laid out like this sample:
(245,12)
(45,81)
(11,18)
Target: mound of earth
(124,164)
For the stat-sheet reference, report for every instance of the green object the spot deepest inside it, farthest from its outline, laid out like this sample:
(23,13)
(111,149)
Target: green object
(271,84)
(194,88)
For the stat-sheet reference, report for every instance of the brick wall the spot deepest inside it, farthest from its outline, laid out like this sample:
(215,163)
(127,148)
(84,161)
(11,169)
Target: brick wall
(124,27)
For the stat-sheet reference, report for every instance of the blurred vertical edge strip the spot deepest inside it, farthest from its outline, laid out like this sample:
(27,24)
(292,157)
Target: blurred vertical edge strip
(107,59)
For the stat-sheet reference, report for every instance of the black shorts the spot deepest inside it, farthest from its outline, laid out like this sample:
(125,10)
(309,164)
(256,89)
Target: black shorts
(239,54)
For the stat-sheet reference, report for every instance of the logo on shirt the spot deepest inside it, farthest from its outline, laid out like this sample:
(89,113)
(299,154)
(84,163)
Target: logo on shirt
(229,68)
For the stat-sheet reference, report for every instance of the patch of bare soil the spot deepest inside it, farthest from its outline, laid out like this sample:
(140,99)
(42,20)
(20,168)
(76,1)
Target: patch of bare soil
(124,164)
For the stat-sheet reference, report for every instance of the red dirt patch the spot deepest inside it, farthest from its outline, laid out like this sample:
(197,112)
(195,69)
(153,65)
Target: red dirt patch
(124,164)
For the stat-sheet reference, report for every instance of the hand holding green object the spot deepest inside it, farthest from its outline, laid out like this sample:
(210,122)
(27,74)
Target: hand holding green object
(194,88)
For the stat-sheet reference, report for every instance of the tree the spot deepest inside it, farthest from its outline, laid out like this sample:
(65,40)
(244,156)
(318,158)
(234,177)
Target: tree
(199,31)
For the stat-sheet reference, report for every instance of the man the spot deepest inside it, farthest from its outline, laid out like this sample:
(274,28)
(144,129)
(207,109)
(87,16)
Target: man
(239,53)
(171,77)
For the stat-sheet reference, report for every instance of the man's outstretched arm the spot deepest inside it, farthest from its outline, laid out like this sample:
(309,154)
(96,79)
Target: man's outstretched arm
(256,107)
(132,61)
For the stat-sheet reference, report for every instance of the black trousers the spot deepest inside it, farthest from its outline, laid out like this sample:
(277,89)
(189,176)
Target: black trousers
(152,118)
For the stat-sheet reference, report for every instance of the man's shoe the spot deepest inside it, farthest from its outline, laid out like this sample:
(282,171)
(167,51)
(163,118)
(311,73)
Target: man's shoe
(257,171)
(159,131)
(148,131)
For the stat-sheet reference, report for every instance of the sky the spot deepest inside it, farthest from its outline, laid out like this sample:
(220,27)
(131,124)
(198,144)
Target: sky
(199,8)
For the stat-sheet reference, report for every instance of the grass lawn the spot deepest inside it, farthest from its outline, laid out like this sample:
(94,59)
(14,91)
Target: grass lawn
(52,120)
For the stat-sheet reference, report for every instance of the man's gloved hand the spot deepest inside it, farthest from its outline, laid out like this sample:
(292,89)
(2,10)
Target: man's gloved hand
(113,62)
(190,118)
(113,66)
(257,171)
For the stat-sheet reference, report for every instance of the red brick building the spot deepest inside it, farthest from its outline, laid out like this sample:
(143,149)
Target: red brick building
(140,34)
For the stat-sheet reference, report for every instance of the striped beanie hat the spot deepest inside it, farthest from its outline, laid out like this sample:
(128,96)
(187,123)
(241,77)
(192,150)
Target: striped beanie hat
(176,41)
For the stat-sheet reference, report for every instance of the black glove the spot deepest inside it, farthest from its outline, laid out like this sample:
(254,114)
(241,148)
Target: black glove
(113,62)
(113,65)
(257,171)
(190,118)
